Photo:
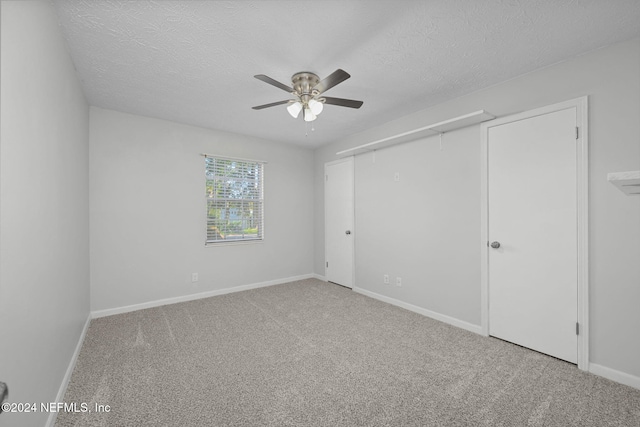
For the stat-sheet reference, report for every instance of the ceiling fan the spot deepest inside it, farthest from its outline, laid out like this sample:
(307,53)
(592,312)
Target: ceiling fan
(307,90)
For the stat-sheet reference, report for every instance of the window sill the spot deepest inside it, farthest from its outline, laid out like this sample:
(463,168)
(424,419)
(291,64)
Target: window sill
(234,243)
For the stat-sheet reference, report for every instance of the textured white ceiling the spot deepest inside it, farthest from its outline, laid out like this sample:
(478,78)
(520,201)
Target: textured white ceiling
(194,61)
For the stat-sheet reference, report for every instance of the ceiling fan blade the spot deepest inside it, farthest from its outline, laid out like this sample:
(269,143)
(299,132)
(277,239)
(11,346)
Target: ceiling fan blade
(273,104)
(275,83)
(343,102)
(331,80)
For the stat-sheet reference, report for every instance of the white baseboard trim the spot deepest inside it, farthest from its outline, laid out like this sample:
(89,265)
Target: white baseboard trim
(613,375)
(432,314)
(157,303)
(319,277)
(51,420)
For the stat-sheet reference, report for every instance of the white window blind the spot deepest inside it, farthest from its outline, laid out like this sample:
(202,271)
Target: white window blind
(234,192)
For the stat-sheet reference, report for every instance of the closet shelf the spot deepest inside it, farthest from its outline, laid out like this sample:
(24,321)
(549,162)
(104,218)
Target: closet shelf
(434,129)
(627,182)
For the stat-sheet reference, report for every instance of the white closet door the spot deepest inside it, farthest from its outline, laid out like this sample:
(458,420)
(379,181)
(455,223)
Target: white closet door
(532,215)
(339,221)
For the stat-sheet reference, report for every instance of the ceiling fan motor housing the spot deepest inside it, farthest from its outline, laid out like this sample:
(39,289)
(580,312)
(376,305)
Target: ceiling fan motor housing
(303,84)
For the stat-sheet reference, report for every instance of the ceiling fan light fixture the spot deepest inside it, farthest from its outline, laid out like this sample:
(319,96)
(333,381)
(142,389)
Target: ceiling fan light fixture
(315,106)
(294,109)
(308,115)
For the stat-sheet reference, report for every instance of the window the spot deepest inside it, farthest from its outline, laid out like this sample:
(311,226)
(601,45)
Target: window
(234,194)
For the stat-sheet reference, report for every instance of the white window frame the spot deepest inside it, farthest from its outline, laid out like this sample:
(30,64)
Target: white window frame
(211,196)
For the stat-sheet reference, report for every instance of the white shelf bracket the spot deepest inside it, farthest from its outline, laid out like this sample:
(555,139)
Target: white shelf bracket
(627,182)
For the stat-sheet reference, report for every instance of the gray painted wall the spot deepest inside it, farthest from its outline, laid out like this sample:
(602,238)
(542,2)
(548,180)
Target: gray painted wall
(44,212)
(438,254)
(148,211)
(422,227)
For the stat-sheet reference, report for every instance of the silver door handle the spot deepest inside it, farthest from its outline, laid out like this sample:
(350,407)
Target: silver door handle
(347,232)
(495,245)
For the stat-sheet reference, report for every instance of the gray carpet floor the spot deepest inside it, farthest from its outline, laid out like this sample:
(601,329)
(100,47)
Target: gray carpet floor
(311,353)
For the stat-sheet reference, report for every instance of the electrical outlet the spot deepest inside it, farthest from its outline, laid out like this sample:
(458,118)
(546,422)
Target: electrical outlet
(398,281)
(194,277)
(386,279)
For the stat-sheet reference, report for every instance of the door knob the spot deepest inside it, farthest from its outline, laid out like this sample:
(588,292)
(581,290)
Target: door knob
(495,245)
(347,232)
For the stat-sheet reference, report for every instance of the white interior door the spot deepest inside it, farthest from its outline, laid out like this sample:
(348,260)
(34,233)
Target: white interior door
(339,214)
(532,214)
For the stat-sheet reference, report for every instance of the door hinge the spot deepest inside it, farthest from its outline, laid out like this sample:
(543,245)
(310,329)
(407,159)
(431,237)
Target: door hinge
(577,328)
(326,177)
(327,264)
(577,132)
